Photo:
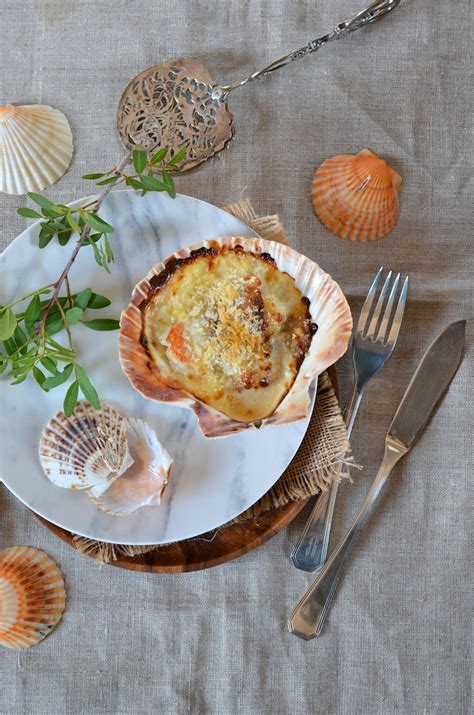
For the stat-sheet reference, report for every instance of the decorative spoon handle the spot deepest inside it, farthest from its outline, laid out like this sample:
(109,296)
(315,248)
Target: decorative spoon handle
(373,12)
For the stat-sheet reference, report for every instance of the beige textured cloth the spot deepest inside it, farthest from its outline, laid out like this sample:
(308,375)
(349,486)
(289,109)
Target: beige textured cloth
(215,642)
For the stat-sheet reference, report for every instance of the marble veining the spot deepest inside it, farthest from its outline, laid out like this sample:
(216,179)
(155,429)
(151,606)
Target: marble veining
(213,480)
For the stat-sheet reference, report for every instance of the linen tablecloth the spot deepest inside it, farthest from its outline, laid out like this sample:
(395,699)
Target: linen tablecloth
(215,642)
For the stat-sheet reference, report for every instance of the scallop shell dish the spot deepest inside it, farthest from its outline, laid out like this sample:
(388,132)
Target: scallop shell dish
(32,596)
(325,303)
(118,462)
(355,196)
(35,147)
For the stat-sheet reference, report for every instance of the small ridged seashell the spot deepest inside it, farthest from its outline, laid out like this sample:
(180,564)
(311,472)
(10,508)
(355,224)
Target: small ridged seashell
(87,450)
(143,483)
(32,596)
(35,147)
(356,196)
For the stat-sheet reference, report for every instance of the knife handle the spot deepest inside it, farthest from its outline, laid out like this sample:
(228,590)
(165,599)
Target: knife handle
(307,619)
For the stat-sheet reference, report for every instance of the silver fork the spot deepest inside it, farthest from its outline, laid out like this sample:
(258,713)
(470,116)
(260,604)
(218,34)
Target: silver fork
(372,345)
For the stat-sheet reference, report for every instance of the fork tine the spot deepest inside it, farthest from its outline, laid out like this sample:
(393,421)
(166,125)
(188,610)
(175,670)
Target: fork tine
(398,315)
(378,308)
(388,310)
(364,314)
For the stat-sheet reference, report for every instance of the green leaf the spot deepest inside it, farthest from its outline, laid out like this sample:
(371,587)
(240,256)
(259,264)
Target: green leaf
(139,158)
(54,327)
(92,238)
(108,249)
(110,180)
(52,213)
(103,257)
(82,299)
(159,155)
(28,358)
(49,364)
(97,301)
(20,339)
(92,176)
(87,388)
(64,237)
(28,213)
(21,378)
(41,200)
(40,378)
(62,358)
(3,363)
(59,378)
(10,346)
(73,315)
(61,349)
(54,226)
(170,184)
(98,224)
(32,314)
(45,236)
(102,324)
(8,323)
(54,322)
(98,255)
(180,154)
(73,223)
(70,400)
(150,183)
(134,183)
(18,370)
(54,312)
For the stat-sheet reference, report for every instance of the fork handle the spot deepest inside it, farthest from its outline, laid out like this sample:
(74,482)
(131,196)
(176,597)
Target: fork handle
(311,550)
(370,14)
(307,619)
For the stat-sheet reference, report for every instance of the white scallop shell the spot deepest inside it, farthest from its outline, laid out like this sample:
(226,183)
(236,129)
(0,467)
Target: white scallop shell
(143,483)
(35,147)
(75,455)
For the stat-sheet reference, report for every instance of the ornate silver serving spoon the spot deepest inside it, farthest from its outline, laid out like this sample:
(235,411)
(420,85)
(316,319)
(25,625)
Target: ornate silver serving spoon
(179,104)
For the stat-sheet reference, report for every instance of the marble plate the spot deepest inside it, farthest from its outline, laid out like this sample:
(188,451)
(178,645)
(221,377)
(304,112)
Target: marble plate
(213,480)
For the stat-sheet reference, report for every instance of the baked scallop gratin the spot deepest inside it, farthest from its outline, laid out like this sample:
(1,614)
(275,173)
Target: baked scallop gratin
(227,327)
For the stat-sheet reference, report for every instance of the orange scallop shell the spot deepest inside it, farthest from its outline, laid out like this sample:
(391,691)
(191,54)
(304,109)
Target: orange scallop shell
(32,596)
(356,196)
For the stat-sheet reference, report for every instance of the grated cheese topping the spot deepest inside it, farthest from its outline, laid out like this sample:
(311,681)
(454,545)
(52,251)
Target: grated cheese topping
(232,330)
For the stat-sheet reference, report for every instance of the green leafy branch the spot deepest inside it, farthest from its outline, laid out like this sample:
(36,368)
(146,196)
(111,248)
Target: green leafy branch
(28,323)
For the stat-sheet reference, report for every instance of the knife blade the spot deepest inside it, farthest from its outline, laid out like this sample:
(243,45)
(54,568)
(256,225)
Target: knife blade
(430,381)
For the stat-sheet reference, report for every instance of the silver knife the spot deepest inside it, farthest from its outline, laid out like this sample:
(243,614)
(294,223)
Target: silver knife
(430,381)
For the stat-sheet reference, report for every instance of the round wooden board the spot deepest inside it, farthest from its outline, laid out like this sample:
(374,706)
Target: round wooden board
(211,549)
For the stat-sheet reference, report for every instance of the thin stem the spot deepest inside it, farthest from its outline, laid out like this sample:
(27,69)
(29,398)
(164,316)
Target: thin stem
(79,243)
(66,324)
(38,291)
(69,294)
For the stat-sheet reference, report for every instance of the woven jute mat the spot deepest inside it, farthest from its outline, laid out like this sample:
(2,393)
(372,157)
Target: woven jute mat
(321,457)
